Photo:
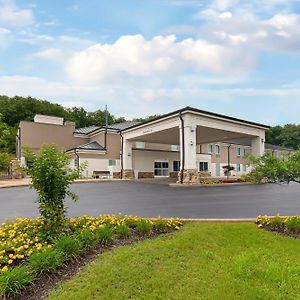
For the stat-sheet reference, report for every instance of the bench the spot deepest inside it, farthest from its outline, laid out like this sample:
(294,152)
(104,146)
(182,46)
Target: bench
(101,174)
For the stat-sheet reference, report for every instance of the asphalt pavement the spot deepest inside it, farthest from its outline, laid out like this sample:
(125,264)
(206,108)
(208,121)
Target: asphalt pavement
(151,199)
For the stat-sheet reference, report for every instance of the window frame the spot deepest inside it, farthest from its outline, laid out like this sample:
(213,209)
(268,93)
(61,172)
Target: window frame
(218,146)
(202,163)
(239,151)
(210,148)
(112,160)
(178,165)
(140,145)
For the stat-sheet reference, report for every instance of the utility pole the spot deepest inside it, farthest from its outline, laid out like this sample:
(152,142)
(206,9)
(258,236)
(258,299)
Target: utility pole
(106,116)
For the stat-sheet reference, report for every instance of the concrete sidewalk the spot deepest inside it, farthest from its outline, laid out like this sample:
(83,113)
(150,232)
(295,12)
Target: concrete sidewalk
(10,183)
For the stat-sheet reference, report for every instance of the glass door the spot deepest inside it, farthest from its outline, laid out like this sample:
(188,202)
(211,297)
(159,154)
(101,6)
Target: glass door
(161,169)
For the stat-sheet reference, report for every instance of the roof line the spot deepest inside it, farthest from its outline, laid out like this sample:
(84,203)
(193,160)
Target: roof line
(79,147)
(187,108)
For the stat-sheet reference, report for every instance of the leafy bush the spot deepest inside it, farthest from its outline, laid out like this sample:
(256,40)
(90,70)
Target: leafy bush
(292,224)
(88,239)
(51,178)
(69,246)
(104,234)
(15,279)
(275,170)
(277,222)
(122,230)
(144,226)
(46,260)
(161,224)
(289,224)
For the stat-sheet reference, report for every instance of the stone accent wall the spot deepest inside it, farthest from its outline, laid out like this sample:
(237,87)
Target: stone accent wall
(117,175)
(174,175)
(128,174)
(16,171)
(146,175)
(204,174)
(190,176)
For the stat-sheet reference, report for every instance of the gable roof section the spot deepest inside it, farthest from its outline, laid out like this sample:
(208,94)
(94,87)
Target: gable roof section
(86,130)
(117,127)
(124,125)
(196,110)
(279,148)
(94,146)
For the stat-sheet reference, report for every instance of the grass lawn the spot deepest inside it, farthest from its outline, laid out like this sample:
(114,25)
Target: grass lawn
(203,261)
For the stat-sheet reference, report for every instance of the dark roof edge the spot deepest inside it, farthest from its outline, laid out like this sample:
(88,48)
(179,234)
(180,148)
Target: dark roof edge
(79,147)
(187,108)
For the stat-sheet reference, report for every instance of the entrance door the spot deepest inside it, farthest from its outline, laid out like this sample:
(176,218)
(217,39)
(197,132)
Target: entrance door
(218,170)
(161,169)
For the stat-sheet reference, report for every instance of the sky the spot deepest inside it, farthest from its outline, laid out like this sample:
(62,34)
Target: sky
(143,57)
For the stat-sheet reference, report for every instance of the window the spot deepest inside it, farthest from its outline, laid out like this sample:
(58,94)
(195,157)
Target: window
(161,168)
(209,148)
(112,162)
(238,167)
(140,145)
(245,168)
(244,152)
(174,147)
(176,165)
(239,151)
(218,149)
(203,166)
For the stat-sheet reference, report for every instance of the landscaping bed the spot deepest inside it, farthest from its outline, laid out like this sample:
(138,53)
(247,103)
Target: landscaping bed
(32,261)
(289,225)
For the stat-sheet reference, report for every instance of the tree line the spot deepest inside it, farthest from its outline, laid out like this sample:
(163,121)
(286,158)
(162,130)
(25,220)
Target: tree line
(15,109)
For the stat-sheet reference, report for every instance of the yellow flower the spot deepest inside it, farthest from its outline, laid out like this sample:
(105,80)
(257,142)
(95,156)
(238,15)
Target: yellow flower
(10,261)
(4,269)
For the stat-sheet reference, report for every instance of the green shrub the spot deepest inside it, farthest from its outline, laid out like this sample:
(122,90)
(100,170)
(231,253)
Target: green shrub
(122,230)
(88,239)
(277,222)
(70,247)
(104,234)
(161,224)
(144,226)
(14,280)
(293,224)
(47,260)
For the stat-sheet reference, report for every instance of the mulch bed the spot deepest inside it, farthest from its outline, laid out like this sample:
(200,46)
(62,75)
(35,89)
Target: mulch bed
(46,282)
(282,231)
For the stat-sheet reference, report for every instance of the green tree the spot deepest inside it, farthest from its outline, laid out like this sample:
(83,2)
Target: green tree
(5,159)
(51,177)
(286,136)
(149,118)
(274,169)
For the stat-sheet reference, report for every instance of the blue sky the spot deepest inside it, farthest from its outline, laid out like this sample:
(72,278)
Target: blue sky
(240,58)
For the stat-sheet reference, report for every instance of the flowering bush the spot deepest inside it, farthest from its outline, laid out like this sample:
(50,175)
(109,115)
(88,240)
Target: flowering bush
(290,224)
(23,237)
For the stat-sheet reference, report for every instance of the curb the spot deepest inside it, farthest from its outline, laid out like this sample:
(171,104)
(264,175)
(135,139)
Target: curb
(237,220)
(75,182)
(186,185)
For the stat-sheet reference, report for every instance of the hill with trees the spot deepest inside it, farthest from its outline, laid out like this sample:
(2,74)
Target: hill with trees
(15,109)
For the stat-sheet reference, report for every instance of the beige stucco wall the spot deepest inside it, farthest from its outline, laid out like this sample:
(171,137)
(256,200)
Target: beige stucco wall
(113,144)
(143,161)
(35,135)
(95,162)
(223,156)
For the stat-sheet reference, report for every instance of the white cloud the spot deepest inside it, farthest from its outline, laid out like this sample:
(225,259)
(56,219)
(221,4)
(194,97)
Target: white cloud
(145,100)
(224,4)
(11,15)
(225,15)
(50,54)
(6,38)
(161,56)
